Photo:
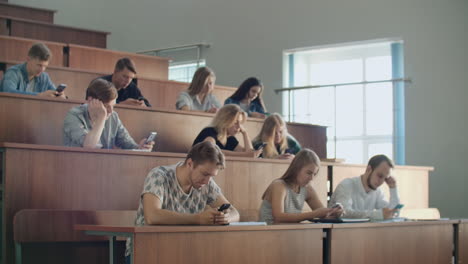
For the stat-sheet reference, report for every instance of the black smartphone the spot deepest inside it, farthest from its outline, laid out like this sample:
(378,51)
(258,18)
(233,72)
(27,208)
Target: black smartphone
(289,151)
(61,87)
(224,207)
(151,137)
(262,145)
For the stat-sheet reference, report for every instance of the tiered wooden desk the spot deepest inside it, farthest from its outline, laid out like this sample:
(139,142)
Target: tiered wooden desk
(48,177)
(39,14)
(16,49)
(32,119)
(19,27)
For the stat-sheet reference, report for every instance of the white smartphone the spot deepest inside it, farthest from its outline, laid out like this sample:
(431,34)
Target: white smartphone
(151,137)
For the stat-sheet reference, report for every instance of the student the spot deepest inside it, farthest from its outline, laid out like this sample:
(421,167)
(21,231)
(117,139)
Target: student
(225,125)
(199,96)
(284,199)
(249,97)
(124,81)
(30,77)
(96,125)
(361,196)
(185,193)
(279,144)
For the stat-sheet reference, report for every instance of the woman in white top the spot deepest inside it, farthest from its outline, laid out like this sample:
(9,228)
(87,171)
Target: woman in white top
(199,96)
(284,199)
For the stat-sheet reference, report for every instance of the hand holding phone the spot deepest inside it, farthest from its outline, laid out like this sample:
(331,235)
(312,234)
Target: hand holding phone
(60,88)
(151,137)
(224,207)
(399,206)
(262,145)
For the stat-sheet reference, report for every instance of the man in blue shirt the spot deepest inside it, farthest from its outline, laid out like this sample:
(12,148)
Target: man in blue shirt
(29,77)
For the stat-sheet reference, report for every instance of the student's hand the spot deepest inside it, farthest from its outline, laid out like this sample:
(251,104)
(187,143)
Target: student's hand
(389,213)
(207,217)
(223,218)
(322,212)
(213,110)
(257,153)
(134,102)
(48,93)
(96,110)
(335,212)
(257,115)
(287,156)
(391,182)
(61,95)
(148,146)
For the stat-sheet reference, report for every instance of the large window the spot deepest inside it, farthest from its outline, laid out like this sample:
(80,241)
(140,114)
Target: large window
(183,72)
(360,117)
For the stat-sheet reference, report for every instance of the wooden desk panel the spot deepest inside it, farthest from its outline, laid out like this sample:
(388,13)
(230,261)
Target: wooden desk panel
(26,12)
(462,242)
(223,244)
(51,32)
(103,60)
(160,93)
(31,119)
(417,242)
(412,182)
(47,177)
(16,49)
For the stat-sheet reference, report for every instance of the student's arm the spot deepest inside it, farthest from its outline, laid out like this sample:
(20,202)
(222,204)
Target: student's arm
(343,195)
(10,83)
(154,215)
(123,138)
(228,216)
(247,142)
(98,113)
(314,203)
(278,194)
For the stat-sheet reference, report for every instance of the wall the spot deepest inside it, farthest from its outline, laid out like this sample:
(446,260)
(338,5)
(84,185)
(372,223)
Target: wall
(248,38)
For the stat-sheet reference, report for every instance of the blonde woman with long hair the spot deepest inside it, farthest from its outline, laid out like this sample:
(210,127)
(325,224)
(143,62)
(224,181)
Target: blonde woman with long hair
(279,143)
(284,199)
(199,96)
(226,124)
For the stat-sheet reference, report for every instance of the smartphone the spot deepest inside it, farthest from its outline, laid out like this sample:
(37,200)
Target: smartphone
(289,151)
(61,87)
(399,206)
(151,137)
(224,207)
(337,205)
(262,145)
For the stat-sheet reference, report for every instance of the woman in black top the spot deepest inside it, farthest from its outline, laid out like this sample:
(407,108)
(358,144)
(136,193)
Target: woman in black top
(222,130)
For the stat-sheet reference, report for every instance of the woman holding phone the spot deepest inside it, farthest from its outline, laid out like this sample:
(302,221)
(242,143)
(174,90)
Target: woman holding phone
(227,123)
(284,199)
(199,96)
(279,143)
(249,97)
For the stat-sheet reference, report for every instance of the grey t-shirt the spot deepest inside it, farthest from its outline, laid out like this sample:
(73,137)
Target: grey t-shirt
(185,99)
(77,124)
(162,182)
(293,204)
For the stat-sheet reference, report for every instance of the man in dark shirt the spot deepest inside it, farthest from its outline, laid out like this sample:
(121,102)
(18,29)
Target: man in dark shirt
(124,80)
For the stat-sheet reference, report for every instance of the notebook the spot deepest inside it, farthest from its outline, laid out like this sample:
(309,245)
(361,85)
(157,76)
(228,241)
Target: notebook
(340,220)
